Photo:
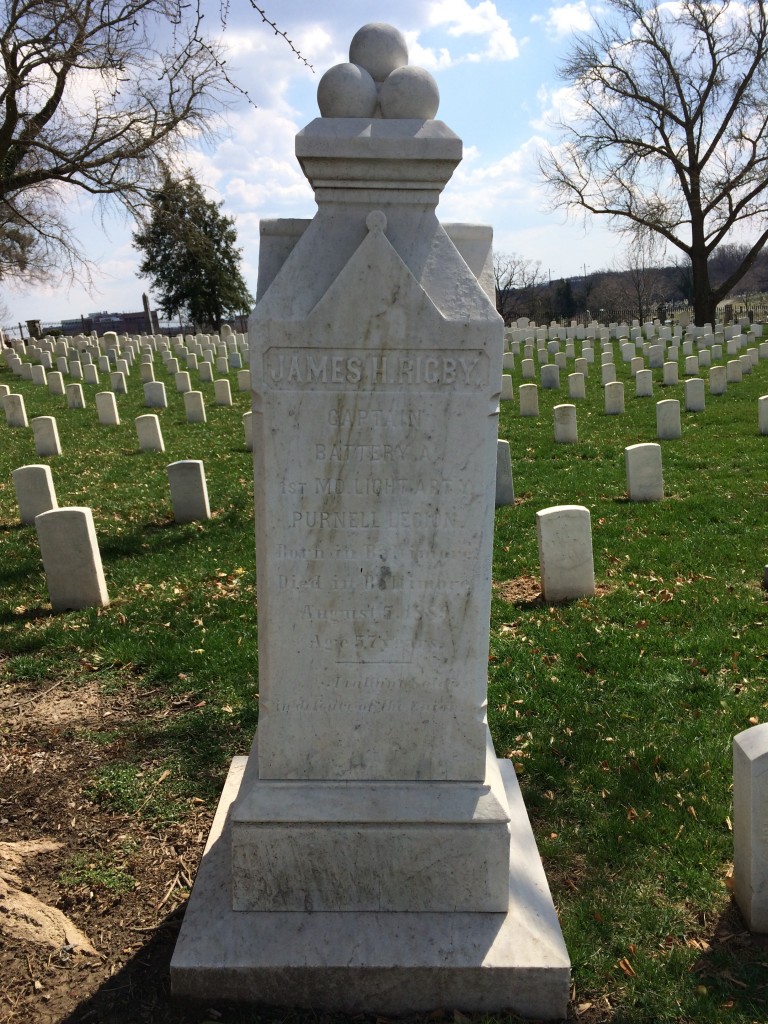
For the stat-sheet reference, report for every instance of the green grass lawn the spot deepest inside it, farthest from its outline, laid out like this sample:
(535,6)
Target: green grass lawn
(618,710)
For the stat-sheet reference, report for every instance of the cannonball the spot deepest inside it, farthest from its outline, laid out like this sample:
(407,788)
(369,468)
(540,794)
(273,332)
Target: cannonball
(409,92)
(378,48)
(347,90)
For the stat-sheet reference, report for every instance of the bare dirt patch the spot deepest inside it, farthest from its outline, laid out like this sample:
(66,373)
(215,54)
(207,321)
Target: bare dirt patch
(91,952)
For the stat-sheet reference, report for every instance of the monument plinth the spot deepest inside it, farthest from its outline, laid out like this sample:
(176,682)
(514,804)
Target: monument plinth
(373,854)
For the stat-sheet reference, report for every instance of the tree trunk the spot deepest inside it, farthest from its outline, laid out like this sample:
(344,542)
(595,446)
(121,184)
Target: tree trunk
(704,305)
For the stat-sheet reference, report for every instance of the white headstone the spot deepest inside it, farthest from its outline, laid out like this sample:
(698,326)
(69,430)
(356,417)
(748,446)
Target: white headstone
(614,398)
(34,492)
(71,559)
(750,825)
(222,392)
(718,380)
(645,481)
(118,383)
(155,396)
(106,409)
(564,535)
(75,397)
(507,388)
(15,410)
(576,388)
(194,407)
(528,396)
(668,426)
(46,435)
(733,371)
(149,433)
(248,430)
(694,395)
(564,422)
(189,492)
(505,490)
(762,415)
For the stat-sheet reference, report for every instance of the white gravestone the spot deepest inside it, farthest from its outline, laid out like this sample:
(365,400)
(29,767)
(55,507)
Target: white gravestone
(149,433)
(55,383)
(694,395)
(507,388)
(46,435)
(243,380)
(718,380)
(750,825)
(75,397)
(371,835)
(564,423)
(550,377)
(106,409)
(15,410)
(248,430)
(614,398)
(71,559)
(733,371)
(576,388)
(564,535)
(189,492)
(155,396)
(222,392)
(34,492)
(194,407)
(762,415)
(668,427)
(645,481)
(528,396)
(117,381)
(505,489)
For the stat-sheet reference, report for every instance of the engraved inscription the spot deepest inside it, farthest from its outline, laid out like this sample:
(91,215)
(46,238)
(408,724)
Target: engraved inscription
(297,368)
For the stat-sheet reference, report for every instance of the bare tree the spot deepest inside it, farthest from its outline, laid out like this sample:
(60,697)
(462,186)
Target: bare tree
(671,129)
(97,96)
(516,279)
(640,272)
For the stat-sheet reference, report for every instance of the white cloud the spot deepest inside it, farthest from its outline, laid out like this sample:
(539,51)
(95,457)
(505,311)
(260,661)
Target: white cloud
(459,18)
(567,18)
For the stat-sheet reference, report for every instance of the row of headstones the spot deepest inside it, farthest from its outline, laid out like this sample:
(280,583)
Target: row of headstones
(733,371)
(667,410)
(85,349)
(526,329)
(67,536)
(46,433)
(42,373)
(148,430)
(643,464)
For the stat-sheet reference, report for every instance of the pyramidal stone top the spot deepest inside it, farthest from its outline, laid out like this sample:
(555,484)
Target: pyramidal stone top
(378,82)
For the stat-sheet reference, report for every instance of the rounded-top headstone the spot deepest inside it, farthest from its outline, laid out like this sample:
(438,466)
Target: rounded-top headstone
(409,92)
(379,48)
(347,90)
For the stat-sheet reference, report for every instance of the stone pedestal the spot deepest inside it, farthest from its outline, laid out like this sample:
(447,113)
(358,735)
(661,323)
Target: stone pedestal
(375,857)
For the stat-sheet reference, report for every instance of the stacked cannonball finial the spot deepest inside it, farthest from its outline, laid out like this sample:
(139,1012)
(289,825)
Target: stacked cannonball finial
(378,81)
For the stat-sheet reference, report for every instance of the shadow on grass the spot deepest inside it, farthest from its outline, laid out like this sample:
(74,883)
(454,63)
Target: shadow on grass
(10,617)
(733,969)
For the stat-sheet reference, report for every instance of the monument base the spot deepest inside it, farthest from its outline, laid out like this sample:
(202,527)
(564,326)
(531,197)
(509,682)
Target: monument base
(375,961)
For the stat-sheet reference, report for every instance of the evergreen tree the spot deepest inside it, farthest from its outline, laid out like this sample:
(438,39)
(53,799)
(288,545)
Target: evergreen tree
(190,255)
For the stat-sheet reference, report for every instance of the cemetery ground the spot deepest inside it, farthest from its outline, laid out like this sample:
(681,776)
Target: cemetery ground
(618,711)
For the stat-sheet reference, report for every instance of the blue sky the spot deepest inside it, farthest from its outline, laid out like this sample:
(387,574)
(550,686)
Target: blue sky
(495,65)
